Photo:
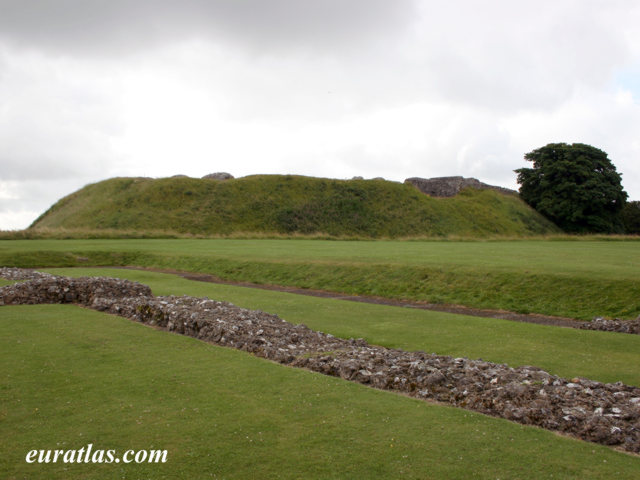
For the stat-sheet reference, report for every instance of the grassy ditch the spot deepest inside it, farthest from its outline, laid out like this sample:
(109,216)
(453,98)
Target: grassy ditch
(574,279)
(73,377)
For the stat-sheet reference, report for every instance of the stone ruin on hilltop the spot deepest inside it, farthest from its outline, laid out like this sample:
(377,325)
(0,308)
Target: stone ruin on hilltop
(451,186)
(219,176)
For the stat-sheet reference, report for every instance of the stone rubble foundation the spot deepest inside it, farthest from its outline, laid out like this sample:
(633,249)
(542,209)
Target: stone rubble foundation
(615,325)
(597,412)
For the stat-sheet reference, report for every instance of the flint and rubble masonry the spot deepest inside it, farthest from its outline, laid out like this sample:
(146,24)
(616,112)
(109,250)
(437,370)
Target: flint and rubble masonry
(603,413)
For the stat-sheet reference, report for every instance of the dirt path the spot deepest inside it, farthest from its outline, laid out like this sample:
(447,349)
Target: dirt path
(459,309)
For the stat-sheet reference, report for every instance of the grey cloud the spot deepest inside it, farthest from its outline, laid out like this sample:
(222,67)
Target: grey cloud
(118,26)
(495,55)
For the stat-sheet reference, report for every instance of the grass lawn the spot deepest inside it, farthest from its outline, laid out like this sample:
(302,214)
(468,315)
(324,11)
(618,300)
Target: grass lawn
(579,279)
(603,356)
(72,376)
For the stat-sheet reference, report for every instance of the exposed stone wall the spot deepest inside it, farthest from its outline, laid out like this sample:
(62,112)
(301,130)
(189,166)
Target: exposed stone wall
(451,186)
(18,274)
(597,412)
(615,325)
(82,291)
(219,176)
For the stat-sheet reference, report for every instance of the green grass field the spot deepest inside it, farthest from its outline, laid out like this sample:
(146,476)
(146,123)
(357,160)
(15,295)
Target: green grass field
(579,279)
(72,376)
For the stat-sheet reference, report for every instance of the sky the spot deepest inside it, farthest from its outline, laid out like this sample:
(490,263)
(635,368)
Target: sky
(91,90)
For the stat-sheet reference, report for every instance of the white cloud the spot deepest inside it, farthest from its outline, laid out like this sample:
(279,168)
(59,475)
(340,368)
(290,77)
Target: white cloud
(22,201)
(57,118)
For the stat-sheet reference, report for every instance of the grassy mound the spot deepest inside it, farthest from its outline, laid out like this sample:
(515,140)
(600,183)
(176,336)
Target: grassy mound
(286,205)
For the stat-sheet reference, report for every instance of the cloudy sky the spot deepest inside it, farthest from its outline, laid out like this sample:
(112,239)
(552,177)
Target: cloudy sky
(91,89)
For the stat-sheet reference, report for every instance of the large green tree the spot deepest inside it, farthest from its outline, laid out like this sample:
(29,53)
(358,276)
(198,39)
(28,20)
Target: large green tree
(576,186)
(631,217)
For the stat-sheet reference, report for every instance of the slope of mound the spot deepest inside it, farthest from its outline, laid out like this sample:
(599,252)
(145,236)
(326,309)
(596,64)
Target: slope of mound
(288,204)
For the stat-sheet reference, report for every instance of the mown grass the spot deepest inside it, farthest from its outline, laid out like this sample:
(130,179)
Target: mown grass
(289,204)
(62,233)
(602,356)
(71,377)
(573,279)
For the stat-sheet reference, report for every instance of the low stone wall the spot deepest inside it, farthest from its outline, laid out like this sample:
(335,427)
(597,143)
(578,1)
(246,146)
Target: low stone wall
(19,274)
(43,288)
(594,411)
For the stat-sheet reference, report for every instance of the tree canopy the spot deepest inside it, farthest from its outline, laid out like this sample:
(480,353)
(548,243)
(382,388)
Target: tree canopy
(576,186)
(631,217)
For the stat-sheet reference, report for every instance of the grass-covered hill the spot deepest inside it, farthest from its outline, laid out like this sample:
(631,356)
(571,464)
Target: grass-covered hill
(289,204)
